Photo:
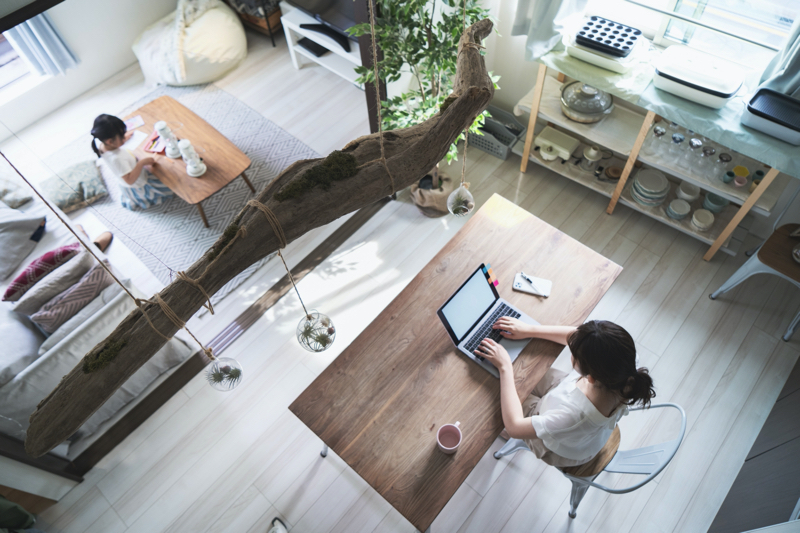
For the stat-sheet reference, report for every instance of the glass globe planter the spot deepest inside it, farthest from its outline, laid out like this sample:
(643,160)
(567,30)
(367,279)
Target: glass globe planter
(460,202)
(316,332)
(224,374)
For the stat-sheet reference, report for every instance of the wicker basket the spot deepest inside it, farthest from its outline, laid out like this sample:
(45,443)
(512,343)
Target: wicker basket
(497,138)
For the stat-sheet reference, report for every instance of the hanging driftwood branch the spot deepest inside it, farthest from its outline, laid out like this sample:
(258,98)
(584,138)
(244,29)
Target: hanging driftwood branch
(410,152)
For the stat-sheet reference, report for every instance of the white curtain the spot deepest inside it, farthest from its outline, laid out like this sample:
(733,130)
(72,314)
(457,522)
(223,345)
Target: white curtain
(37,41)
(783,72)
(542,21)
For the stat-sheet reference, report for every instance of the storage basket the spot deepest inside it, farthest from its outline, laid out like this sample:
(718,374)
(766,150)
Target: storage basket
(497,138)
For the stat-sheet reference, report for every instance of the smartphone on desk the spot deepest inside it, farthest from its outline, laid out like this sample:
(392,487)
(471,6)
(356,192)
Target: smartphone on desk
(532,285)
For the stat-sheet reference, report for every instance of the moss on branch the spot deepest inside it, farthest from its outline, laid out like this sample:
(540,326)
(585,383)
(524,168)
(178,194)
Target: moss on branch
(336,167)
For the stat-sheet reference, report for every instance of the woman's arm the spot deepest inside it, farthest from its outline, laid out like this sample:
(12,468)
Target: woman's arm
(131,177)
(517,425)
(513,328)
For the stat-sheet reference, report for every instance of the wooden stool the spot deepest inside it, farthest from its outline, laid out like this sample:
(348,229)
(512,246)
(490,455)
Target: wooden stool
(774,257)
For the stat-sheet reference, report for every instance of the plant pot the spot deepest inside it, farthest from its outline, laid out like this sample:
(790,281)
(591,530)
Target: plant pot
(433,202)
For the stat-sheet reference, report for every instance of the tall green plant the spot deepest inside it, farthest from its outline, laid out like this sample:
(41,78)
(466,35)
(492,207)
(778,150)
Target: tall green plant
(412,33)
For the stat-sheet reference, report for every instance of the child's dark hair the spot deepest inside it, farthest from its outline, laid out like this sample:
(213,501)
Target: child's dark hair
(106,127)
(607,352)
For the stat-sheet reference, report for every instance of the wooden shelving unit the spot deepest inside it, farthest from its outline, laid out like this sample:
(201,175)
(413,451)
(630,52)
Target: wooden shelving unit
(623,132)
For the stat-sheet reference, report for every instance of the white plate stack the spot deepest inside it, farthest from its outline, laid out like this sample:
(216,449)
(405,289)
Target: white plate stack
(702,219)
(650,187)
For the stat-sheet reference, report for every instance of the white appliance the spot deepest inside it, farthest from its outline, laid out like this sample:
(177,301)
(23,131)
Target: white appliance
(697,76)
(554,144)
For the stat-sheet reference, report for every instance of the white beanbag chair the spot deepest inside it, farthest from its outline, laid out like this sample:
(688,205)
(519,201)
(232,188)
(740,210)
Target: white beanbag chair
(200,42)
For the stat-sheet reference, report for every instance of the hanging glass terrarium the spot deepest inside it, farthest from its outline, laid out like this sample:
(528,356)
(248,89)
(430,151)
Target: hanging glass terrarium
(460,202)
(224,374)
(316,332)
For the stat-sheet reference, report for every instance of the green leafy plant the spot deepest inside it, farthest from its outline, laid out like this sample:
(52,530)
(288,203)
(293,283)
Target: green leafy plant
(422,37)
(227,375)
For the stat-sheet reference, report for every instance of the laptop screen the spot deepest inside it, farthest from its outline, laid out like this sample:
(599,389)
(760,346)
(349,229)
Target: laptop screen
(469,304)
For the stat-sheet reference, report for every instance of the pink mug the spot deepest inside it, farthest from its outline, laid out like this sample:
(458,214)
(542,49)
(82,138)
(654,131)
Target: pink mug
(449,437)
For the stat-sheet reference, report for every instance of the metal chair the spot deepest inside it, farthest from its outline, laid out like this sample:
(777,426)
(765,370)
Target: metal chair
(774,257)
(648,461)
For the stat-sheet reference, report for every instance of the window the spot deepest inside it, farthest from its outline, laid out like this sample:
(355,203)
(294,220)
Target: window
(764,21)
(12,67)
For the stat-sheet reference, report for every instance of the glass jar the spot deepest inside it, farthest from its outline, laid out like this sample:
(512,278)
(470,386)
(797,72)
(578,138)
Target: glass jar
(676,147)
(722,164)
(655,141)
(691,156)
(706,165)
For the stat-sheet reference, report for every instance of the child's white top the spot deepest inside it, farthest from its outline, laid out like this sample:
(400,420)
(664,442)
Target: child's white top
(570,425)
(121,162)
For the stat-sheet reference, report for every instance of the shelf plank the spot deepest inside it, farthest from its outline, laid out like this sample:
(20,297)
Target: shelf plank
(294,18)
(574,173)
(618,132)
(332,62)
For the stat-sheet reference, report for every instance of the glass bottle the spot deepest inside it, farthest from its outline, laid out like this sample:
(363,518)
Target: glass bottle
(655,142)
(676,147)
(707,160)
(691,156)
(722,164)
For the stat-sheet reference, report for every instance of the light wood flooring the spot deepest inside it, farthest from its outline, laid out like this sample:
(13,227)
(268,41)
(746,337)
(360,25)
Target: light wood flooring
(213,462)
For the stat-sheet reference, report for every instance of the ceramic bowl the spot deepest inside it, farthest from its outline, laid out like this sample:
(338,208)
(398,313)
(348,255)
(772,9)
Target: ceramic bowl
(714,202)
(688,191)
(740,181)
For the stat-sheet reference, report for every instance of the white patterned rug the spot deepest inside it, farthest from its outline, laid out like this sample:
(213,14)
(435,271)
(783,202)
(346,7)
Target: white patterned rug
(173,233)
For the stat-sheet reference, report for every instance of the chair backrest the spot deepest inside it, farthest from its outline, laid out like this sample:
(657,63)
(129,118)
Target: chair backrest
(649,461)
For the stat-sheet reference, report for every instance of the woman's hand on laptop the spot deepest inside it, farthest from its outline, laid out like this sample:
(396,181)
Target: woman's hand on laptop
(494,353)
(512,328)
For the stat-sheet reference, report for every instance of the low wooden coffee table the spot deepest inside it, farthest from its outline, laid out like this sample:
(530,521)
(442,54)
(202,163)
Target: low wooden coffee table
(224,160)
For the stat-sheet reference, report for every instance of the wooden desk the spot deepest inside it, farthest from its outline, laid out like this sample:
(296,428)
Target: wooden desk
(380,403)
(224,160)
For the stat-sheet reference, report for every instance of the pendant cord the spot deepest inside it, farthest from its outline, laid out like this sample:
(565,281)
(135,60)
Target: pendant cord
(378,92)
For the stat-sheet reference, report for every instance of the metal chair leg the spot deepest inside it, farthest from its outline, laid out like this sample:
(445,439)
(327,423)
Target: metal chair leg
(512,446)
(791,329)
(753,250)
(751,267)
(575,497)
(324,452)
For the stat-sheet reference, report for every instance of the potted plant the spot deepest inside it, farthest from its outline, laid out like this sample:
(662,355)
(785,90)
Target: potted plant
(419,37)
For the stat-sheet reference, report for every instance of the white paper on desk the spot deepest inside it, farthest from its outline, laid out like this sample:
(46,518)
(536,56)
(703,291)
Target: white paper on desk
(135,122)
(136,139)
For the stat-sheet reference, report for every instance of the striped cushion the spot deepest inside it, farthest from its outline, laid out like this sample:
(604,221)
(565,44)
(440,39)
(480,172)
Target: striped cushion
(62,307)
(38,269)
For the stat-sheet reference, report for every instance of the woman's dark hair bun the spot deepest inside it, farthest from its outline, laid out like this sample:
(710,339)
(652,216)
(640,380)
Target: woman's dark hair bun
(640,388)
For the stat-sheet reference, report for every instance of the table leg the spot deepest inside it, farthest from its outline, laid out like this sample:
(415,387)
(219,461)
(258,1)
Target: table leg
(324,452)
(740,214)
(537,98)
(247,181)
(626,171)
(202,213)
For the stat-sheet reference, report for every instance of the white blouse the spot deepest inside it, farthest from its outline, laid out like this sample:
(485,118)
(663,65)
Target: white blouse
(121,162)
(570,425)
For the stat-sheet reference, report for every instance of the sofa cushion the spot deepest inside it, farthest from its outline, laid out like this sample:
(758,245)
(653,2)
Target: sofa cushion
(54,284)
(17,229)
(21,341)
(75,187)
(13,195)
(82,316)
(39,268)
(68,303)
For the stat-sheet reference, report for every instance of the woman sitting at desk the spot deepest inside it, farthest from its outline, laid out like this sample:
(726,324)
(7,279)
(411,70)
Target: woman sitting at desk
(568,418)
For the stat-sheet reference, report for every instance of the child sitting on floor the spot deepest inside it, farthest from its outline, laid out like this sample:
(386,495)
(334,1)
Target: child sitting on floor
(138,187)
(568,418)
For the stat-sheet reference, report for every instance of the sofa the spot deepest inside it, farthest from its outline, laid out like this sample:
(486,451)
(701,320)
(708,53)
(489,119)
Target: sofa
(26,382)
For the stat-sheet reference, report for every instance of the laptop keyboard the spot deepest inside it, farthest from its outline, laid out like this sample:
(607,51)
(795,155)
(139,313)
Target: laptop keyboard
(486,331)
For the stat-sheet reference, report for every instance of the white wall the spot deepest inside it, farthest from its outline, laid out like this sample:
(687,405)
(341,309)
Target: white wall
(100,34)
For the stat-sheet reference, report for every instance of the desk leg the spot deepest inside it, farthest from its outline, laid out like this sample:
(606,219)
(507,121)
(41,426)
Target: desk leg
(324,452)
(247,181)
(202,214)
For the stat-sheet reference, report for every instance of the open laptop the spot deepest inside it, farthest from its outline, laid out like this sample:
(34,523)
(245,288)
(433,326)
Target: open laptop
(471,311)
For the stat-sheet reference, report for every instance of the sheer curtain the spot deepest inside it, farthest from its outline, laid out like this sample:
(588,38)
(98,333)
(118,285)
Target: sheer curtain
(541,21)
(783,72)
(37,41)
